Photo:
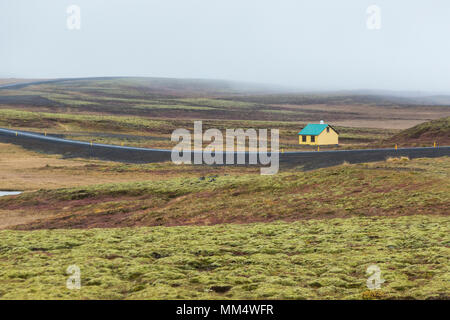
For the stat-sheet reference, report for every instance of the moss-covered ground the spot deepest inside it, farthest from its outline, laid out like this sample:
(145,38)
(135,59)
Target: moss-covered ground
(162,231)
(316,259)
(392,188)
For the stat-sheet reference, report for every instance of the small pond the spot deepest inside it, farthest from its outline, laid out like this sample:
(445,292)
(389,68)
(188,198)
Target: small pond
(9,193)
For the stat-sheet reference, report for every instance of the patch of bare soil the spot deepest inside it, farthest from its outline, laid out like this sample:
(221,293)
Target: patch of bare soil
(117,212)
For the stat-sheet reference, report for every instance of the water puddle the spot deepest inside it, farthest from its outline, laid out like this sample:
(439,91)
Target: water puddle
(9,193)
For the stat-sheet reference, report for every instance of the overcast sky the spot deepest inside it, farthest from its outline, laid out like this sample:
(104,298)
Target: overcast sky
(313,45)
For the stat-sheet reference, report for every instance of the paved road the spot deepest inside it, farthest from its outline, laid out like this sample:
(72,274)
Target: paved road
(310,159)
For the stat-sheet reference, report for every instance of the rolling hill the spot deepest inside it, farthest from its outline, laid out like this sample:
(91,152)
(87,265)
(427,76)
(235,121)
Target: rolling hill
(425,134)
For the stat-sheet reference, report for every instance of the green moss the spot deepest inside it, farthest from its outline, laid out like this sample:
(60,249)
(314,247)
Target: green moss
(321,259)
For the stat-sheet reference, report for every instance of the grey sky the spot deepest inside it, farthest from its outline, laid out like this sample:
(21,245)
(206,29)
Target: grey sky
(315,44)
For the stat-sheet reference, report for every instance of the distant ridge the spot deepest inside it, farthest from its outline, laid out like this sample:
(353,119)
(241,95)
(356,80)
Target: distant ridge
(230,87)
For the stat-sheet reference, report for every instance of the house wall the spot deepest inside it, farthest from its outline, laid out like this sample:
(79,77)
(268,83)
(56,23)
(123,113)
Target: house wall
(325,137)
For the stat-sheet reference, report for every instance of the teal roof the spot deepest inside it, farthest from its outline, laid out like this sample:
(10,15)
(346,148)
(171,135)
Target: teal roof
(313,129)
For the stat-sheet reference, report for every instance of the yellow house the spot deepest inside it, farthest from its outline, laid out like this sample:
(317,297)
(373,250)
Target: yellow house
(318,134)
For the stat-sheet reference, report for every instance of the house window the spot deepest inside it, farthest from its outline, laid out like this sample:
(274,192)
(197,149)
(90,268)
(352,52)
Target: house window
(328,129)
(303,138)
(313,139)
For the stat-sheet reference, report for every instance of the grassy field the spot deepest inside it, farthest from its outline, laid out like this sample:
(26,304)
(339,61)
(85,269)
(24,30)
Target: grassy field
(196,99)
(167,194)
(318,231)
(317,259)
(144,111)
(156,133)
(29,171)
(166,231)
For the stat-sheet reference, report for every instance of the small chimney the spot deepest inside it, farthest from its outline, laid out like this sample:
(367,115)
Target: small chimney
(321,122)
